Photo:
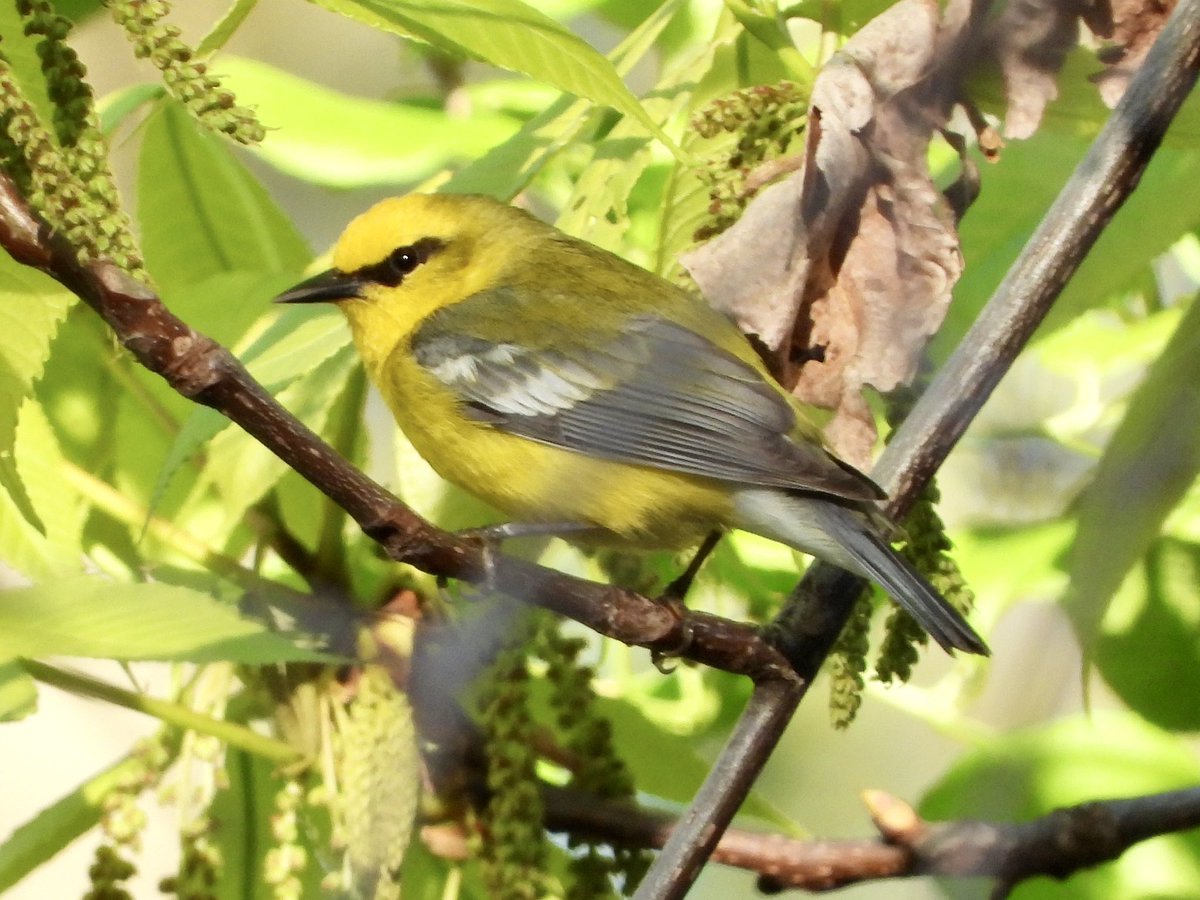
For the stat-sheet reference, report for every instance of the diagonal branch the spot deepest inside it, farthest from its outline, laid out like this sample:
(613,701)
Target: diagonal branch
(201,369)
(1058,844)
(810,623)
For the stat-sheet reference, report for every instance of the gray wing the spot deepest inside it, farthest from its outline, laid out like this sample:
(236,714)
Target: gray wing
(659,396)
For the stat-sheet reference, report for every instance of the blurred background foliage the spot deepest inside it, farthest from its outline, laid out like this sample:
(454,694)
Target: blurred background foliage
(135,525)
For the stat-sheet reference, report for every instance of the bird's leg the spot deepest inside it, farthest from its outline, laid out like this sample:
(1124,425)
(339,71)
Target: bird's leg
(672,598)
(678,589)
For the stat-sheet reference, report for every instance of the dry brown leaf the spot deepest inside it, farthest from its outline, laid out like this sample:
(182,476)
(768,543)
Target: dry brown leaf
(1030,40)
(1135,26)
(845,270)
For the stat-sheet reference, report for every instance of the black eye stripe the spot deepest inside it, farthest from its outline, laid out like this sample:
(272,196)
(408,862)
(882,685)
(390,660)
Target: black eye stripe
(390,270)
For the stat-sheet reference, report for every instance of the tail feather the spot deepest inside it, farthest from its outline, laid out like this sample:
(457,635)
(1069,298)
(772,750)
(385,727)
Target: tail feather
(845,538)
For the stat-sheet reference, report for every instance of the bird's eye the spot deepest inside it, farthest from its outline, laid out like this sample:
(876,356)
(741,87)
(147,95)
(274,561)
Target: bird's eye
(393,268)
(404,260)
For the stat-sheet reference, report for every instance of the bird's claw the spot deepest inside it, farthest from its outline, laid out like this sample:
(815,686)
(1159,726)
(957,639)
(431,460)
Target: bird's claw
(659,656)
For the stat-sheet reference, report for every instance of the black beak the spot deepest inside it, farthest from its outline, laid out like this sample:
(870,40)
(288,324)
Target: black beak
(328,287)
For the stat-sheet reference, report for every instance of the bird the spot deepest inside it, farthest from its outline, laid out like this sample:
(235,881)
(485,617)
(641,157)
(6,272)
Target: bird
(567,386)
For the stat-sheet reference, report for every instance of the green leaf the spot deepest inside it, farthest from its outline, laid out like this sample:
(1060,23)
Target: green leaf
(93,617)
(509,34)
(31,310)
(1149,464)
(1018,191)
(242,812)
(225,28)
(668,766)
(18,694)
(506,170)
(1149,652)
(330,138)
(1106,755)
(49,544)
(32,307)
(201,212)
(302,338)
(242,469)
(53,828)
(114,108)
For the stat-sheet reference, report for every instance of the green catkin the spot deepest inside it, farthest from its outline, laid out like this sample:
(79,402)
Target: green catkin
(199,863)
(122,820)
(287,859)
(66,82)
(766,119)
(587,737)
(928,548)
(380,776)
(847,663)
(65,174)
(514,852)
(186,79)
(106,873)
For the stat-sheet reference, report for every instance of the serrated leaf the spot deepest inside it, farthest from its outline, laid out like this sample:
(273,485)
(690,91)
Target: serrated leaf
(1150,462)
(32,306)
(201,212)
(330,138)
(296,342)
(49,545)
(509,34)
(93,617)
(506,170)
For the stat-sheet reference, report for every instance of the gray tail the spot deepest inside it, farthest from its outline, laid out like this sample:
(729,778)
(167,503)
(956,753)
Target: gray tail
(908,587)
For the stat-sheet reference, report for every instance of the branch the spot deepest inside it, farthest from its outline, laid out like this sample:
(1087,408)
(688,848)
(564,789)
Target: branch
(815,614)
(203,370)
(1057,844)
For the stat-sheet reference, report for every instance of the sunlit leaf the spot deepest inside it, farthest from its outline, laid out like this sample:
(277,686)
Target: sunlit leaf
(506,170)
(32,307)
(50,544)
(94,617)
(1149,464)
(509,34)
(201,212)
(242,469)
(18,694)
(327,137)
(1149,649)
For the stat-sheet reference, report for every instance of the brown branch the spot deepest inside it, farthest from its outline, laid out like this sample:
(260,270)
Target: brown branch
(815,614)
(201,369)
(1057,844)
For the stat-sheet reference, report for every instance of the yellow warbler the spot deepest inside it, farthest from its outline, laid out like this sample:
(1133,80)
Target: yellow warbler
(565,385)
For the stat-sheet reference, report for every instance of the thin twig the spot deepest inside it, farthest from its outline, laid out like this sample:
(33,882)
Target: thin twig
(816,612)
(1058,844)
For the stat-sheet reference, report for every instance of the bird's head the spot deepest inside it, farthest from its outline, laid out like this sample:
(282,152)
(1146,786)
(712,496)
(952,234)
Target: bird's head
(408,256)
